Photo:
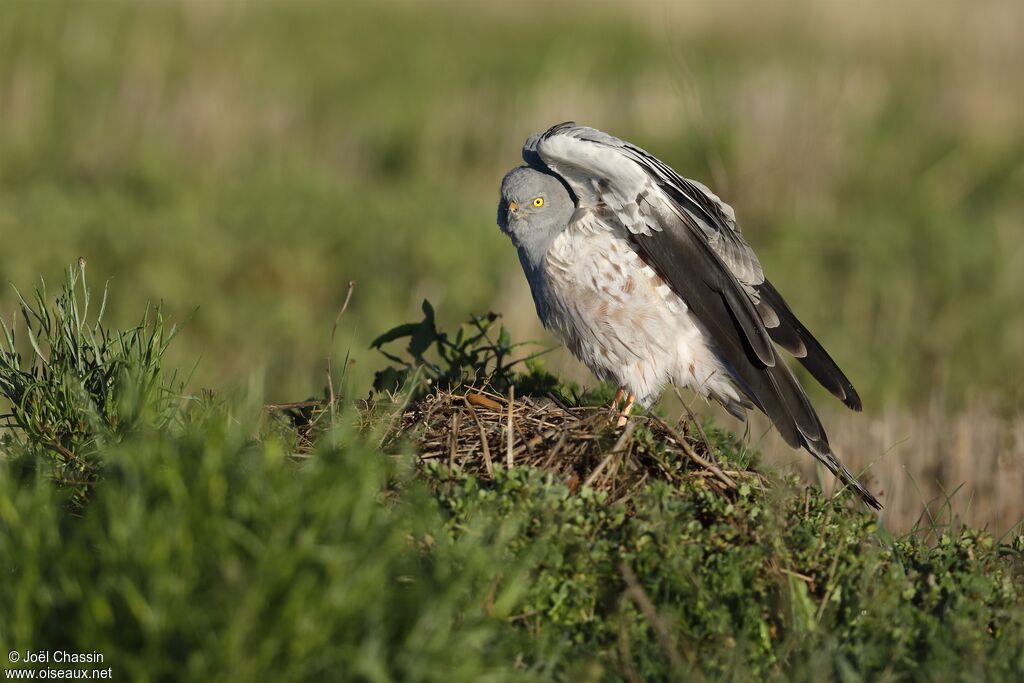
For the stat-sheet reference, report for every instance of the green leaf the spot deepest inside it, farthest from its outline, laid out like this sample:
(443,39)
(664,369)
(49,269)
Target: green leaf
(403,330)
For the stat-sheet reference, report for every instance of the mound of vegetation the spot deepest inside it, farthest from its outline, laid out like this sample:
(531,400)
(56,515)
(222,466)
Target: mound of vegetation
(484,523)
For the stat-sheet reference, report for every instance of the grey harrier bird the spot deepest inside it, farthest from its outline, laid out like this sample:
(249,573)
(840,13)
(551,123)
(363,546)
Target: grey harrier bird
(646,277)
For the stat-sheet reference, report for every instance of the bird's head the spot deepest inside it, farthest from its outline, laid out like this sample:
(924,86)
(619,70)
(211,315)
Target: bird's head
(534,208)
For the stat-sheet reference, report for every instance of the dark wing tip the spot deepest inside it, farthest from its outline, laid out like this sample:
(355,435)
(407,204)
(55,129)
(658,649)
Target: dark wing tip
(852,399)
(790,332)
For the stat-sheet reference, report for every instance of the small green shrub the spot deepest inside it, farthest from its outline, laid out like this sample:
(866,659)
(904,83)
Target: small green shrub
(476,355)
(206,555)
(793,587)
(72,385)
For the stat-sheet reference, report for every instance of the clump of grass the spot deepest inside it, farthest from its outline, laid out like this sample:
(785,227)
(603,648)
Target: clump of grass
(71,385)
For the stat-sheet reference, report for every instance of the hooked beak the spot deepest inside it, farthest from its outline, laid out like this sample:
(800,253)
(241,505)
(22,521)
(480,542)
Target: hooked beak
(510,212)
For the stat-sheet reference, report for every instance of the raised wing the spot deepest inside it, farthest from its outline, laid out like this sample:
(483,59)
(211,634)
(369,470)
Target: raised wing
(666,212)
(605,173)
(602,169)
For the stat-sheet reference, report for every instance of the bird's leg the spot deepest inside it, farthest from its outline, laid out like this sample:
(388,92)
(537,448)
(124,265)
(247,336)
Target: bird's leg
(614,410)
(618,397)
(630,400)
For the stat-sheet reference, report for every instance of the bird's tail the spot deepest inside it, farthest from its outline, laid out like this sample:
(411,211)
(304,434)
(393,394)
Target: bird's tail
(837,468)
(802,421)
(777,393)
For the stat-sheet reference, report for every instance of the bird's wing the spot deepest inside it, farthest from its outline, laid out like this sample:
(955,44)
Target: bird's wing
(602,169)
(666,212)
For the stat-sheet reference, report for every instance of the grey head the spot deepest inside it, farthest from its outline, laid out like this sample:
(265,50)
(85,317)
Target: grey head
(535,208)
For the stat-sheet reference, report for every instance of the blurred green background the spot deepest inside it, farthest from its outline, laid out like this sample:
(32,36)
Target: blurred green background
(242,162)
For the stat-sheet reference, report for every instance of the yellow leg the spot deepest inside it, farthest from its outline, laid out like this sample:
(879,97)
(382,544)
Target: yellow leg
(615,404)
(630,400)
(618,397)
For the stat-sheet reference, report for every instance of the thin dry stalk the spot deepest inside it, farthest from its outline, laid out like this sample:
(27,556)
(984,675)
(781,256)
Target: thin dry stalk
(690,453)
(488,465)
(334,332)
(627,433)
(509,461)
(657,624)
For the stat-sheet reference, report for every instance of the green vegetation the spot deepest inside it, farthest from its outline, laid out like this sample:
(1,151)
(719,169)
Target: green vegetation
(88,388)
(245,161)
(210,546)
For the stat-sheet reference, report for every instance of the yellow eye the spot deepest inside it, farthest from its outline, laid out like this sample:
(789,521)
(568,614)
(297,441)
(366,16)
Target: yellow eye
(539,201)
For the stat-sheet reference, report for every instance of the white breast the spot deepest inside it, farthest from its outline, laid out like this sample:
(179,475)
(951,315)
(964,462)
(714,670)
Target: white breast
(621,320)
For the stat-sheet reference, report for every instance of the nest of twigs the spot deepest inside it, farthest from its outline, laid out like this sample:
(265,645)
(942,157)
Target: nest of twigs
(478,431)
